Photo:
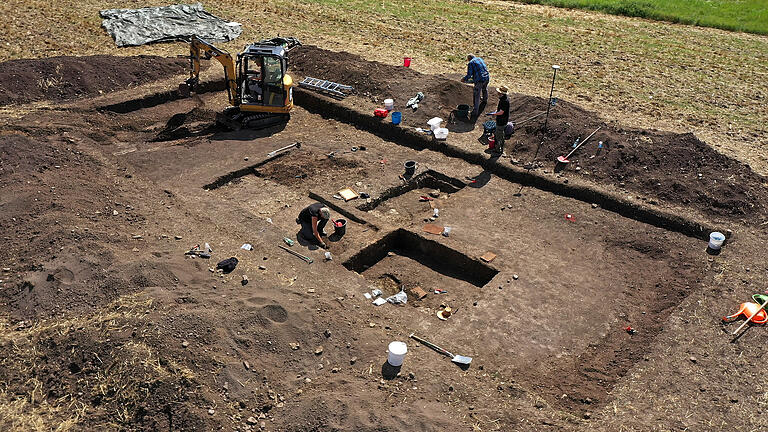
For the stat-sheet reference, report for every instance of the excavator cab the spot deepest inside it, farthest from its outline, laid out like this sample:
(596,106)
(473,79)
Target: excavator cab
(258,84)
(265,85)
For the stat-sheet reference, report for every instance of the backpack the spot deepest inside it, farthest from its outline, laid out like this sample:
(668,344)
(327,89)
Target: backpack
(227,265)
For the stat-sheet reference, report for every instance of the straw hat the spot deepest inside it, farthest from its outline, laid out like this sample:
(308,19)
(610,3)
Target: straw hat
(325,213)
(503,89)
(445,313)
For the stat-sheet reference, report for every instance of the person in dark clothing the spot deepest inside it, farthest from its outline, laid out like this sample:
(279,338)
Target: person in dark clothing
(502,118)
(477,73)
(312,220)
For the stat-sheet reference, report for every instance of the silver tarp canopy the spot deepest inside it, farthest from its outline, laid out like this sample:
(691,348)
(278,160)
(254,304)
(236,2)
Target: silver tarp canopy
(133,27)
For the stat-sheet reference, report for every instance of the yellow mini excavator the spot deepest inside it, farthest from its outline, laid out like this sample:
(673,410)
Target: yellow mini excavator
(258,85)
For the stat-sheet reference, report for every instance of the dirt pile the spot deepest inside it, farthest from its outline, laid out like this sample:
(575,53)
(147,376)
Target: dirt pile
(673,167)
(676,168)
(60,78)
(378,81)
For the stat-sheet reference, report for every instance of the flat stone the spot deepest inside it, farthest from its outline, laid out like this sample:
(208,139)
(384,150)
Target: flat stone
(252,420)
(261,267)
(185,344)
(295,346)
(177,237)
(515,276)
(318,350)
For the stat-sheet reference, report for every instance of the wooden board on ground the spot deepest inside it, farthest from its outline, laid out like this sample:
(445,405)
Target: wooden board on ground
(347,194)
(433,229)
(488,256)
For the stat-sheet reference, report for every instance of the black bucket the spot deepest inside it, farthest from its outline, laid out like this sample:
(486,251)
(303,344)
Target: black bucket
(462,111)
(410,167)
(340,227)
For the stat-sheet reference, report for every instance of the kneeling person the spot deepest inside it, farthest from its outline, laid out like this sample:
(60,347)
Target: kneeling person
(313,219)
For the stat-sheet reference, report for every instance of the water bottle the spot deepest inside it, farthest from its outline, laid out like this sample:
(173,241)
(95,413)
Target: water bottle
(576,143)
(599,147)
(436,213)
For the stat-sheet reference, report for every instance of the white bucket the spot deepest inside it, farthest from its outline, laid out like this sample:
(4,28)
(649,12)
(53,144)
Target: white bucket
(441,133)
(397,351)
(716,240)
(434,123)
(389,104)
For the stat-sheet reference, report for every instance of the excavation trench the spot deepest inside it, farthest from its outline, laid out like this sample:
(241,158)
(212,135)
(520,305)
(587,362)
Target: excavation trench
(328,108)
(428,253)
(428,179)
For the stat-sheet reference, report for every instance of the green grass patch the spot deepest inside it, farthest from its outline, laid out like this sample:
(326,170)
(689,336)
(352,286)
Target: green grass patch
(738,15)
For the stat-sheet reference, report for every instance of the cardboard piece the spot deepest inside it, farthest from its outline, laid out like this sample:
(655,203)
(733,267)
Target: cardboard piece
(418,292)
(347,194)
(433,229)
(488,256)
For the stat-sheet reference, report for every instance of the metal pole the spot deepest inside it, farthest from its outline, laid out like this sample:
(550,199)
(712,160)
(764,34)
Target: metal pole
(530,165)
(549,102)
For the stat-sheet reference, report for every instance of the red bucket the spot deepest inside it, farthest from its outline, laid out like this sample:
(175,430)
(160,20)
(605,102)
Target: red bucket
(407,61)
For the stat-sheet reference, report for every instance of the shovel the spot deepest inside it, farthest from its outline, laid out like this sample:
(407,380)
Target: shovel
(458,359)
(564,159)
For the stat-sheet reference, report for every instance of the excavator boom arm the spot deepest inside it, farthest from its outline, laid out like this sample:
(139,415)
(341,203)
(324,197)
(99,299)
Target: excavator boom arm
(199,48)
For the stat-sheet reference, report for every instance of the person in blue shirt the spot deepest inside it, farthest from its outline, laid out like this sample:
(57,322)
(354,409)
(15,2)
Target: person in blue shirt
(477,73)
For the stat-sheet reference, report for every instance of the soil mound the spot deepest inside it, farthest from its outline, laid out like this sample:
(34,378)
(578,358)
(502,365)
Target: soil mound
(60,78)
(377,81)
(677,168)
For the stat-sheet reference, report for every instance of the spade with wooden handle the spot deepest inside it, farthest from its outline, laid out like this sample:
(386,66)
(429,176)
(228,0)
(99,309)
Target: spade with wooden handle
(564,159)
(458,359)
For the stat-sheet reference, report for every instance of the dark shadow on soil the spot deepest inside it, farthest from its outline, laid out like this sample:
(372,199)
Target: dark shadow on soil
(303,241)
(389,372)
(248,134)
(480,180)
(430,179)
(429,253)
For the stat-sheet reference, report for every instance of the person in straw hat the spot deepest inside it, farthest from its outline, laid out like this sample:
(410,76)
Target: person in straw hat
(312,220)
(502,118)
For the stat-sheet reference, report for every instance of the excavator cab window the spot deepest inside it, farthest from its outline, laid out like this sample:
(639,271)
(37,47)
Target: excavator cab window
(274,92)
(253,85)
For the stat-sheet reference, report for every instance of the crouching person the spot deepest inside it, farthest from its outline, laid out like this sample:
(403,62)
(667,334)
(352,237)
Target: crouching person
(312,220)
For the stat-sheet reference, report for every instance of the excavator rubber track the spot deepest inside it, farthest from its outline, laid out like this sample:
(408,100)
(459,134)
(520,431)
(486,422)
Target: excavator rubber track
(233,119)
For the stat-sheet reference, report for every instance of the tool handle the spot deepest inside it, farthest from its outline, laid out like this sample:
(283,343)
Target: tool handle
(581,143)
(307,259)
(750,318)
(431,345)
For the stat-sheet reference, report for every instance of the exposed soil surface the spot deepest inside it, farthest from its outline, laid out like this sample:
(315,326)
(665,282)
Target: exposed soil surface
(59,78)
(676,168)
(108,324)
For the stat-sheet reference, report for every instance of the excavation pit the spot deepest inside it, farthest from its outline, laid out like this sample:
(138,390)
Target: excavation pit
(402,244)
